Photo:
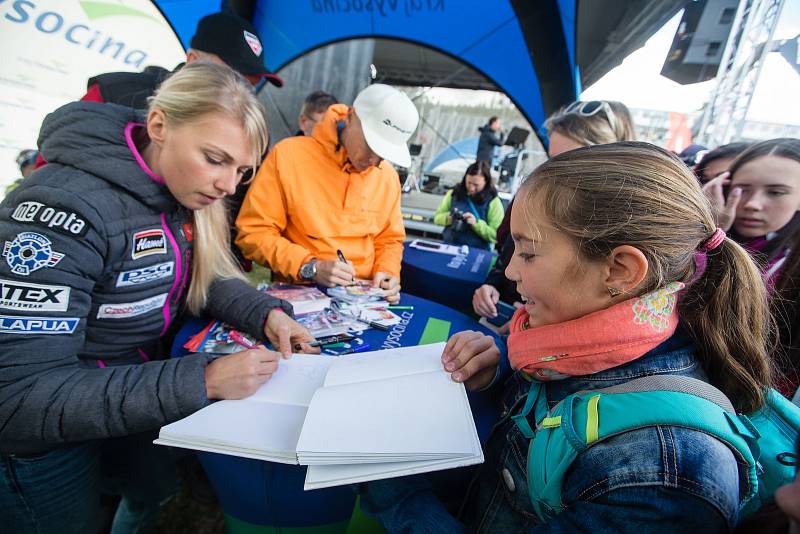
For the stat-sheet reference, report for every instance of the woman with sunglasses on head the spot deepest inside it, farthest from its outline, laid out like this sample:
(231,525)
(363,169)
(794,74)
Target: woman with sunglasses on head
(104,248)
(471,211)
(761,213)
(594,122)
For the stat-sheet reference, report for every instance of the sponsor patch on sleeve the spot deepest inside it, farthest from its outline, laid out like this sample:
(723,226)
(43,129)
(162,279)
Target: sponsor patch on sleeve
(15,295)
(148,242)
(29,252)
(15,324)
(123,310)
(144,275)
(58,219)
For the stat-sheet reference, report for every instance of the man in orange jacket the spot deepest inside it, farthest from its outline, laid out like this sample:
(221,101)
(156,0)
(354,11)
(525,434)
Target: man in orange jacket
(330,192)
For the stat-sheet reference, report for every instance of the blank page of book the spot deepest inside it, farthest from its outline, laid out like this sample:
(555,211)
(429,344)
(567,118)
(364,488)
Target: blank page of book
(425,414)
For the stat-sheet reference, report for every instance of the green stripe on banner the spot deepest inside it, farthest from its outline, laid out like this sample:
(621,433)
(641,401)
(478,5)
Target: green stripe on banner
(435,331)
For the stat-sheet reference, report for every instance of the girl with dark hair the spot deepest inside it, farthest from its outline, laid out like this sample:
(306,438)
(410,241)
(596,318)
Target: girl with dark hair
(717,161)
(471,211)
(762,213)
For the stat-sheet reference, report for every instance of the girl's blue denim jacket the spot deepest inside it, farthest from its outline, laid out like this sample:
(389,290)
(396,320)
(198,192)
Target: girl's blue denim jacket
(657,479)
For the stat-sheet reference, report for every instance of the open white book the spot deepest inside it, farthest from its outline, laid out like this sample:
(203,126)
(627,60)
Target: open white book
(351,419)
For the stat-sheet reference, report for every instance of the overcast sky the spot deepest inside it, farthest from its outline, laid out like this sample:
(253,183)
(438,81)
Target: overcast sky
(638,84)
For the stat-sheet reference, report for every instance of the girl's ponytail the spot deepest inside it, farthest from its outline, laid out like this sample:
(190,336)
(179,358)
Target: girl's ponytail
(726,311)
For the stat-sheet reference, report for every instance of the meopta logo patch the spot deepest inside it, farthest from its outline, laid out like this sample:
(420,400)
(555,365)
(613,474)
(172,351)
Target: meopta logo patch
(64,221)
(123,310)
(30,252)
(148,242)
(16,295)
(253,42)
(13,324)
(144,275)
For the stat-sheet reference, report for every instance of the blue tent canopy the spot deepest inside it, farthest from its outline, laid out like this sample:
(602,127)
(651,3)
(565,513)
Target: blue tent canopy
(538,52)
(516,44)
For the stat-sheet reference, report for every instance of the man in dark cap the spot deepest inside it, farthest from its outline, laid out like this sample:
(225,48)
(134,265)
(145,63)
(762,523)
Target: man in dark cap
(220,37)
(223,38)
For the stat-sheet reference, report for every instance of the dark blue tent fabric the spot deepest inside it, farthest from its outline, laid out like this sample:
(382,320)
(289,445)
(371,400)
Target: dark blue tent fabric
(525,48)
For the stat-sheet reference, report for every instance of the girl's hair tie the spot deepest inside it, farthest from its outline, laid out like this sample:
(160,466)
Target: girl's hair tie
(713,242)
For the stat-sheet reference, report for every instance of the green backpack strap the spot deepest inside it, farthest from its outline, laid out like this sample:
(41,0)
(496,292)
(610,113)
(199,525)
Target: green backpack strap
(585,418)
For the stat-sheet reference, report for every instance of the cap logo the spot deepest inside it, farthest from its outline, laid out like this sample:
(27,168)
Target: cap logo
(390,124)
(253,42)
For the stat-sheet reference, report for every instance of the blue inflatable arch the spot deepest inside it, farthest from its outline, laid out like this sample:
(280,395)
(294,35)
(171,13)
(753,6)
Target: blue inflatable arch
(525,48)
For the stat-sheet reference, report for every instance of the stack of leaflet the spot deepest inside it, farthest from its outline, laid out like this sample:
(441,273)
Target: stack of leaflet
(358,293)
(304,299)
(351,419)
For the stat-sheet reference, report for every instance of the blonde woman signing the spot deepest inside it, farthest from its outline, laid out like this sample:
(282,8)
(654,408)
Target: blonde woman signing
(102,248)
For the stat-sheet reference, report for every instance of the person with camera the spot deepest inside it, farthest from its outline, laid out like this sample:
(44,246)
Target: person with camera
(471,211)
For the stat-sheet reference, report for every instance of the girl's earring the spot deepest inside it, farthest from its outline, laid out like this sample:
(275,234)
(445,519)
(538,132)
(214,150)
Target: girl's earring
(613,291)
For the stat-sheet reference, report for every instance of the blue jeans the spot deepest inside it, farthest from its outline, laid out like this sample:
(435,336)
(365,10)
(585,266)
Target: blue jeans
(59,491)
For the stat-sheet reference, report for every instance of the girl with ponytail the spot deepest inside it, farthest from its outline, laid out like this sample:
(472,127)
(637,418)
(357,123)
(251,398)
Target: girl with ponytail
(761,214)
(624,275)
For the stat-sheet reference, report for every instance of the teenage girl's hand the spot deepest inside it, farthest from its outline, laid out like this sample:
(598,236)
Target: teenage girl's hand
(239,375)
(470,219)
(484,300)
(472,358)
(724,209)
(332,273)
(390,284)
(284,333)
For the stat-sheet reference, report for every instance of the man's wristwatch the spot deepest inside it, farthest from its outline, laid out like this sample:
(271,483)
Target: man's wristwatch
(309,269)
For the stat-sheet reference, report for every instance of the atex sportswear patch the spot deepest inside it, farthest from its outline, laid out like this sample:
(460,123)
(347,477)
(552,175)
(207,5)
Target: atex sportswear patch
(60,220)
(148,242)
(29,252)
(16,295)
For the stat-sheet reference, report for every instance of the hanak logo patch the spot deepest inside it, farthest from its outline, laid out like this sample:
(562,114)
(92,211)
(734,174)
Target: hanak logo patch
(23,296)
(30,252)
(64,221)
(253,42)
(144,275)
(14,324)
(148,242)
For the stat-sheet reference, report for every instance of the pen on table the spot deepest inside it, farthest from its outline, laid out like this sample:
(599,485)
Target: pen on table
(399,307)
(373,324)
(361,348)
(326,341)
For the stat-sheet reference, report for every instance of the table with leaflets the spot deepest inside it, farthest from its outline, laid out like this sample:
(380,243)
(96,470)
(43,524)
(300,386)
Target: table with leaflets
(448,278)
(265,497)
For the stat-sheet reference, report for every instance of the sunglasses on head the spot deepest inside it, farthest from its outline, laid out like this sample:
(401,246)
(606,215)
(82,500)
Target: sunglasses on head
(593,107)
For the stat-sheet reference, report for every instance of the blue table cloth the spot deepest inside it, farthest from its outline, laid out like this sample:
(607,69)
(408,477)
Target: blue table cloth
(444,278)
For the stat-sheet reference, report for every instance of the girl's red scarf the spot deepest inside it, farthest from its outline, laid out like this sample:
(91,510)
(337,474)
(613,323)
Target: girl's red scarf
(601,340)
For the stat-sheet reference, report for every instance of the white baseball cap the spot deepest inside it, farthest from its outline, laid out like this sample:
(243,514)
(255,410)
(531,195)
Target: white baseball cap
(388,118)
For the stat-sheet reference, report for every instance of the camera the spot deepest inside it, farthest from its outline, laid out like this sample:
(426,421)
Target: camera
(458,219)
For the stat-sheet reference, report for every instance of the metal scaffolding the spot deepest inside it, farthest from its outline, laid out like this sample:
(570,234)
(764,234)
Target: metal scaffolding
(748,45)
